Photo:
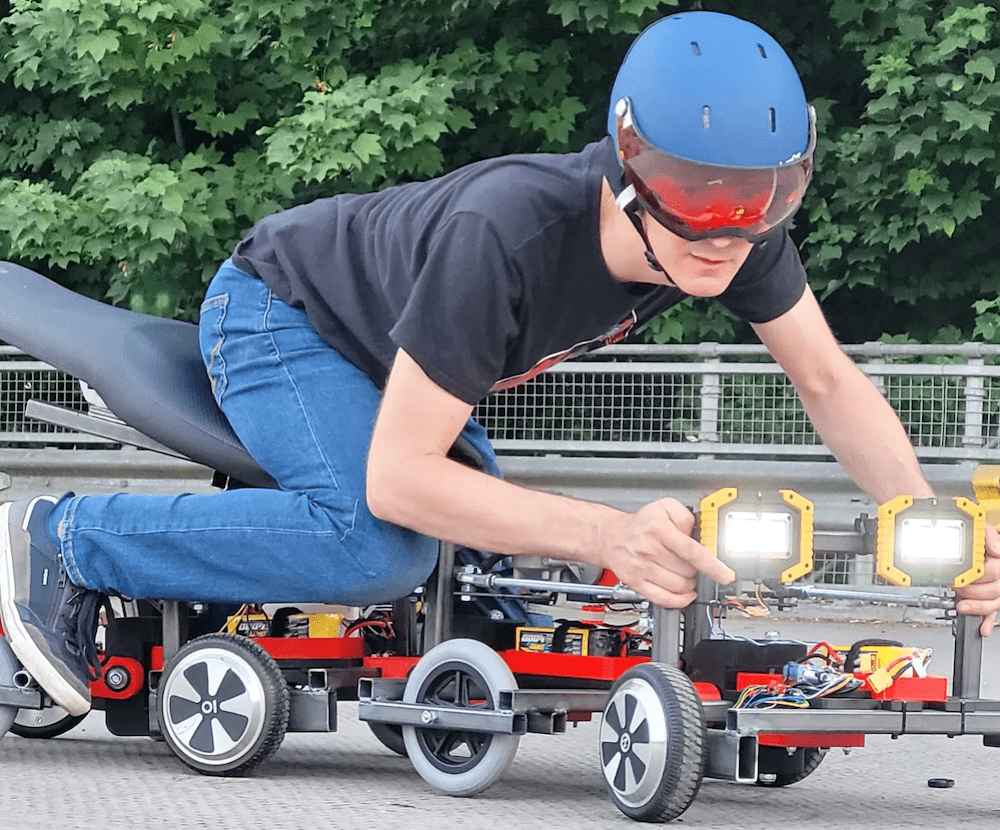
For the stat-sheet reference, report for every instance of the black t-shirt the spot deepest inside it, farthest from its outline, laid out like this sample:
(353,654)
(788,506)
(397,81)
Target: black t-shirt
(484,276)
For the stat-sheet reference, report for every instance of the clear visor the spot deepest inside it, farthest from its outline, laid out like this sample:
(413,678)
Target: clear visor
(697,201)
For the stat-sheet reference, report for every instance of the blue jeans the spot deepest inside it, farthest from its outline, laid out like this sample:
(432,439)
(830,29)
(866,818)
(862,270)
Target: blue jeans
(306,414)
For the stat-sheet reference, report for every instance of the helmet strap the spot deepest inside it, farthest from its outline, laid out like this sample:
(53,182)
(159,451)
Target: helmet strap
(628,203)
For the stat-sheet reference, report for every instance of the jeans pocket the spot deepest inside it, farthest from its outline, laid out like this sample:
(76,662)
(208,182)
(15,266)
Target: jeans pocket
(212,337)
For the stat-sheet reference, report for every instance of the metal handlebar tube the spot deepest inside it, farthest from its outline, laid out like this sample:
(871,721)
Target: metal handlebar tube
(613,593)
(928,601)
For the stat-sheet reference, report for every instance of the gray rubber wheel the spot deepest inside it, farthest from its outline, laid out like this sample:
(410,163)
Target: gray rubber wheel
(9,665)
(652,742)
(465,674)
(390,735)
(812,759)
(223,704)
(44,723)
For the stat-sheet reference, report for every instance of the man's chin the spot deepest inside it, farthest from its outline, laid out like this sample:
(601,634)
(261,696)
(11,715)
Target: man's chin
(702,285)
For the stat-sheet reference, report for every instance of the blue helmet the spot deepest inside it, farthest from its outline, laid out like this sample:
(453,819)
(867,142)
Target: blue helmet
(712,127)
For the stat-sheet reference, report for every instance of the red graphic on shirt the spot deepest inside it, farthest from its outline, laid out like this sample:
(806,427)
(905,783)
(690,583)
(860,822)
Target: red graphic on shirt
(615,335)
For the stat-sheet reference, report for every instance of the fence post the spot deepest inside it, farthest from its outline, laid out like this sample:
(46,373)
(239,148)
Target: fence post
(711,405)
(975,394)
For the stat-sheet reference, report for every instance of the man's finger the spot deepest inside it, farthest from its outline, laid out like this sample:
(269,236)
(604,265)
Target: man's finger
(686,548)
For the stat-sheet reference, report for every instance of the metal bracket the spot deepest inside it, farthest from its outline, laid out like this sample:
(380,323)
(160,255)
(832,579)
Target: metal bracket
(21,698)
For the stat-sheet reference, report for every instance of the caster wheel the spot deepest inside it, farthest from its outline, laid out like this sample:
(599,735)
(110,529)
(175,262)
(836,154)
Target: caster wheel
(390,735)
(653,742)
(465,674)
(44,723)
(9,666)
(811,759)
(222,704)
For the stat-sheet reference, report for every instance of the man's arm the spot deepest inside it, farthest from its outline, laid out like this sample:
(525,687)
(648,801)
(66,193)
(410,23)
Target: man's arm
(861,429)
(411,482)
(853,418)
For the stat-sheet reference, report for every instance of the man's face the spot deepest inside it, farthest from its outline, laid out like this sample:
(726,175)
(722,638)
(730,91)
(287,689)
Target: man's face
(703,268)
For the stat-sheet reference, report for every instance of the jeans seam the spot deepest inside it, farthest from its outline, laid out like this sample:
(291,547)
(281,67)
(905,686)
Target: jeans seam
(215,356)
(298,395)
(66,545)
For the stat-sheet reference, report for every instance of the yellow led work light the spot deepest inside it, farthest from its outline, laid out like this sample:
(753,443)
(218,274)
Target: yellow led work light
(760,537)
(929,543)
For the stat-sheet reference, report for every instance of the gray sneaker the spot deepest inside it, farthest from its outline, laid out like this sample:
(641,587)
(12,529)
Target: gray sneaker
(49,622)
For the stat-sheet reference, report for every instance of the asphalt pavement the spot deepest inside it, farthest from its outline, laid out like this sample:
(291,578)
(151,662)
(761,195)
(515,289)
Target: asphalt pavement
(91,779)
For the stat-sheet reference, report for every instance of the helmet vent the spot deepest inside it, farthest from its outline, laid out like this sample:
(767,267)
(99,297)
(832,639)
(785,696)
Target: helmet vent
(706,117)
(695,47)
(763,52)
(773,119)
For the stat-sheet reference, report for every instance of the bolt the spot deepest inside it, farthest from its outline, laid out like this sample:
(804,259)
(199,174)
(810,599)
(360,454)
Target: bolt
(116,678)
(428,717)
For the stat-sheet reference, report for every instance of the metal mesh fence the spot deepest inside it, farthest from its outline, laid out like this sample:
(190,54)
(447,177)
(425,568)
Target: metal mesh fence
(23,379)
(627,401)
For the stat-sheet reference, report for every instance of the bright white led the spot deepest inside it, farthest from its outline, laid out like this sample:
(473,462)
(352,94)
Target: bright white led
(931,541)
(753,535)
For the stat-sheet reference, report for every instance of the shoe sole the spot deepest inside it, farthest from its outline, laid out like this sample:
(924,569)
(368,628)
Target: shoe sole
(34,660)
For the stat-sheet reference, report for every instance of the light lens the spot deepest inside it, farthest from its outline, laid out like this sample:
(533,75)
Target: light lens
(753,535)
(931,541)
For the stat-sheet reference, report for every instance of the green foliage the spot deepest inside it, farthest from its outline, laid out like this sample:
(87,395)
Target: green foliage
(142,138)
(907,183)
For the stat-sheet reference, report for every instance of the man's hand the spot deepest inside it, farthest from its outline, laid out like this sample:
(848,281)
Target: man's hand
(982,597)
(653,553)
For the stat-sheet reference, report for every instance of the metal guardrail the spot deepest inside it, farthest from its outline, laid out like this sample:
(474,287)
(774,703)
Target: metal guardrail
(625,426)
(714,400)
(664,401)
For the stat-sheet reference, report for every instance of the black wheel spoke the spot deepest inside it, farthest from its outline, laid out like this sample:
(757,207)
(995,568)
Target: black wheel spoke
(608,751)
(611,718)
(451,742)
(630,705)
(620,777)
(638,767)
(203,740)
(436,740)
(462,697)
(641,733)
(230,687)
(197,676)
(234,724)
(181,709)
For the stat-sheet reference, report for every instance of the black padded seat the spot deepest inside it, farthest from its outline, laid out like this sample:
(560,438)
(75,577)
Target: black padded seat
(148,370)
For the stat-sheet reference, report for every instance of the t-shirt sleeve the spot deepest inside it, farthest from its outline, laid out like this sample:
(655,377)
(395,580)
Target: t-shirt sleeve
(462,314)
(771,281)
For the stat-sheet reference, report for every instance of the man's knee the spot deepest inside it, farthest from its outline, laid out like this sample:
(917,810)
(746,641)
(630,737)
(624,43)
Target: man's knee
(404,560)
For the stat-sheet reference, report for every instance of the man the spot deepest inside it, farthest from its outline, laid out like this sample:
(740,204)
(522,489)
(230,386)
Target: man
(348,340)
